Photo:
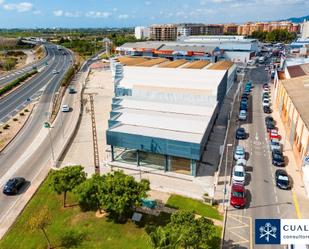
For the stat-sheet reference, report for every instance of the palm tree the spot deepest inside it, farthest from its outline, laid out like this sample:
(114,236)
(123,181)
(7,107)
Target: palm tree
(163,238)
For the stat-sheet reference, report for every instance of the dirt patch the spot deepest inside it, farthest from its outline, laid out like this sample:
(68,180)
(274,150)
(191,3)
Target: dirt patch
(157,195)
(100,214)
(9,129)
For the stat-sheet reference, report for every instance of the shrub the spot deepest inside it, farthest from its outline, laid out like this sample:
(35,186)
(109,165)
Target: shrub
(7,126)
(15,119)
(26,110)
(22,114)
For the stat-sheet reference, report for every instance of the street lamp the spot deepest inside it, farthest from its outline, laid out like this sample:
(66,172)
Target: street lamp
(47,125)
(225,169)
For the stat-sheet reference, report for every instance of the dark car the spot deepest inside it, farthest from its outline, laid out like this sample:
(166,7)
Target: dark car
(265,95)
(269,118)
(240,133)
(267,109)
(277,158)
(245,96)
(243,107)
(72,90)
(244,101)
(13,185)
(270,126)
(282,179)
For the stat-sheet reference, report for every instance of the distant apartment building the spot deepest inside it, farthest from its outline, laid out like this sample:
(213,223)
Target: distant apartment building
(230,28)
(213,29)
(142,32)
(188,29)
(163,32)
(250,27)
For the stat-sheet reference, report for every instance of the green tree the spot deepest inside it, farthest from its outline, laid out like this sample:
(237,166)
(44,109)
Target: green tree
(66,179)
(194,233)
(90,193)
(9,63)
(164,238)
(121,193)
(39,221)
(72,239)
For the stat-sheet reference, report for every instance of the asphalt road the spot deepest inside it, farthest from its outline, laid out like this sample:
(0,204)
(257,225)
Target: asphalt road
(264,199)
(7,78)
(44,83)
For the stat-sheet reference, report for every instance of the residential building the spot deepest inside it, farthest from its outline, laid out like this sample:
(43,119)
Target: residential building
(212,29)
(163,32)
(163,111)
(142,32)
(188,29)
(230,28)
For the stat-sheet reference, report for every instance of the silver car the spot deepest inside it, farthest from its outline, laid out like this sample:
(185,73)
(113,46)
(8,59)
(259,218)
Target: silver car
(274,145)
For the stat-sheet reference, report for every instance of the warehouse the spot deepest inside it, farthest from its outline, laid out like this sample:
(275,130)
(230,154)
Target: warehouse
(163,112)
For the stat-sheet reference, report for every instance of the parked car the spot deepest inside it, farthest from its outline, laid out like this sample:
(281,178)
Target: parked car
(243,107)
(265,90)
(273,134)
(241,162)
(282,179)
(274,145)
(267,109)
(239,174)
(245,95)
(239,152)
(269,118)
(270,126)
(240,133)
(277,158)
(65,108)
(266,102)
(265,95)
(265,85)
(72,90)
(14,185)
(242,115)
(244,102)
(238,197)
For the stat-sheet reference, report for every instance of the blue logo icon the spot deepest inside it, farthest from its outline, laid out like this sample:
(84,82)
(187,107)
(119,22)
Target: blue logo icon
(267,231)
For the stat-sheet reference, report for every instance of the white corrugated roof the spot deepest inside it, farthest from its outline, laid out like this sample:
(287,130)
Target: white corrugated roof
(164,120)
(130,102)
(172,77)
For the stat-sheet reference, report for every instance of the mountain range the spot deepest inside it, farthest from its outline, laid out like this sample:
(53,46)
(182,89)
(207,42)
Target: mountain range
(297,19)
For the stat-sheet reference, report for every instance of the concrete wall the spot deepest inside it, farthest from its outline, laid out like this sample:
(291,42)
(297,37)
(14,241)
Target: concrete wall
(237,56)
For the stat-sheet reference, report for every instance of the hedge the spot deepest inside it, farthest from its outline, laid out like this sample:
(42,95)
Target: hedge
(16,82)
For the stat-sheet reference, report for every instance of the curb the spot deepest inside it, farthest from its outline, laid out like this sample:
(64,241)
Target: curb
(18,130)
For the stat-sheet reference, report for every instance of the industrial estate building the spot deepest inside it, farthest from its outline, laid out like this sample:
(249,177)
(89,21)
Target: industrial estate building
(211,48)
(163,111)
(291,98)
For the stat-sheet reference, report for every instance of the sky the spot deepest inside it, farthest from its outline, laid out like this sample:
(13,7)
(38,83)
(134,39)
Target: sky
(130,13)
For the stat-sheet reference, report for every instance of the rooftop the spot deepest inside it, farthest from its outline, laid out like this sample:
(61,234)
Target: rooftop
(298,70)
(298,90)
(221,65)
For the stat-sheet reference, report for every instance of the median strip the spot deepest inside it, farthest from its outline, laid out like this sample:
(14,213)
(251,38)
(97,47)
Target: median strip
(12,85)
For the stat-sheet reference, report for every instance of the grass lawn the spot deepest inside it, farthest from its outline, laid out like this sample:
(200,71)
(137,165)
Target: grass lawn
(198,207)
(98,232)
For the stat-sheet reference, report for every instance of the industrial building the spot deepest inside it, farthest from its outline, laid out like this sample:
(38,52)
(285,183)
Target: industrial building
(163,111)
(211,48)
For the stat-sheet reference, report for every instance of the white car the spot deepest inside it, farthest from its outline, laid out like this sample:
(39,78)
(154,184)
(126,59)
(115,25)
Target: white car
(242,115)
(274,144)
(239,174)
(65,108)
(239,153)
(266,102)
(241,162)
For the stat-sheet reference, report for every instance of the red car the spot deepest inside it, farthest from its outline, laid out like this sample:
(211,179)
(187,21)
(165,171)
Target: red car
(238,198)
(273,134)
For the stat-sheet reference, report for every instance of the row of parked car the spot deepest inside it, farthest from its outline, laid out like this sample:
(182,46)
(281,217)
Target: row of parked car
(238,196)
(281,176)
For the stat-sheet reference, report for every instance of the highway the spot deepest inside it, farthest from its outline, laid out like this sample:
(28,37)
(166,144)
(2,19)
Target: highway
(15,101)
(9,77)
(30,154)
(264,199)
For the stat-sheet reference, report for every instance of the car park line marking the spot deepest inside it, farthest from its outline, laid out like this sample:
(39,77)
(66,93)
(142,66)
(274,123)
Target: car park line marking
(298,213)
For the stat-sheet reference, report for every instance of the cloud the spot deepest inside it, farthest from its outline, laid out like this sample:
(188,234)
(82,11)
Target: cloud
(147,3)
(1,2)
(19,7)
(123,16)
(72,14)
(115,9)
(37,12)
(58,12)
(98,14)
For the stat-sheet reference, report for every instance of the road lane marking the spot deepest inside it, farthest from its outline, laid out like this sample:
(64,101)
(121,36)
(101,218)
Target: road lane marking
(298,213)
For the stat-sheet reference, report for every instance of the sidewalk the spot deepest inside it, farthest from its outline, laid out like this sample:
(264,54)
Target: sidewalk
(299,194)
